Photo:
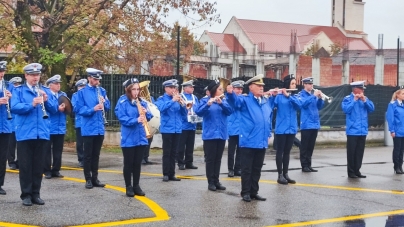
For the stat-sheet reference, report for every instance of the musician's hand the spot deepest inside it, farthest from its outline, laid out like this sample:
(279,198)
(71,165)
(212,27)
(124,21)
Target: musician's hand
(393,134)
(144,109)
(317,93)
(176,98)
(36,101)
(45,97)
(218,100)
(101,99)
(275,91)
(98,107)
(8,94)
(356,97)
(3,100)
(229,89)
(62,107)
(141,119)
(211,100)
(284,92)
(363,98)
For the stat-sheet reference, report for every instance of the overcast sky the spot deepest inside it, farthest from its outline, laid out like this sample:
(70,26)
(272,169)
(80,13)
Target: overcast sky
(381,16)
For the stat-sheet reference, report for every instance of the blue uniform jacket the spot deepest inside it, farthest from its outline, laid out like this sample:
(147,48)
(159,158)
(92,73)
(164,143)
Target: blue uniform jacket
(395,118)
(28,121)
(233,121)
(185,124)
(77,117)
(58,119)
(170,114)
(132,132)
(214,119)
(92,122)
(286,117)
(6,126)
(255,120)
(309,115)
(357,115)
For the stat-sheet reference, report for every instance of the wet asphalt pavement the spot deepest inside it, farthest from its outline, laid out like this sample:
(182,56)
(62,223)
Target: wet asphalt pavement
(324,195)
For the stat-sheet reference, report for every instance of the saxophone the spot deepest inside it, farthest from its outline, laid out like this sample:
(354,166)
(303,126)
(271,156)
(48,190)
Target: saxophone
(9,117)
(142,113)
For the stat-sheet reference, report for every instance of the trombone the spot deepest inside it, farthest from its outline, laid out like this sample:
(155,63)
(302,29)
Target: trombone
(325,97)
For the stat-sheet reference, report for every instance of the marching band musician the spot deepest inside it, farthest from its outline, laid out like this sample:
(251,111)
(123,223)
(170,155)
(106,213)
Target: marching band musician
(187,139)
(5,124)
(12,144)
(91,106)
(53,156)
(356,106)
(287,105)
(171,126)
(255,127)
(309,122)
(214,111)
(395,119)
(80,84)
(30,105)
(133,134)
(233,127)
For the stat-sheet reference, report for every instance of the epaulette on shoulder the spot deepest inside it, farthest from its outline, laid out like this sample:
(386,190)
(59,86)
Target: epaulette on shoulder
(392,102)
(122,100)
(347,96)
(245,94)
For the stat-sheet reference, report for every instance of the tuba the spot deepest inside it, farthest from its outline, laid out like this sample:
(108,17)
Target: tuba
(144,90)
(144,93)
(224,82)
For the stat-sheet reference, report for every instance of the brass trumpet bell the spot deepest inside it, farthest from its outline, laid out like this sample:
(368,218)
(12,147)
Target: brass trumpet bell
(189,105)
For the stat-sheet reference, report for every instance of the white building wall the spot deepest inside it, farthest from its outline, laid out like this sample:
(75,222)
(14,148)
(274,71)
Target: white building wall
(354,15)
(234,28)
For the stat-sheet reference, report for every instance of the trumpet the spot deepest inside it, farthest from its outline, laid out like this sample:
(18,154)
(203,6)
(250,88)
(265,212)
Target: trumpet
(324,97)
(9,117)
(100,101)
(39,93)
(181,101)
(189,105)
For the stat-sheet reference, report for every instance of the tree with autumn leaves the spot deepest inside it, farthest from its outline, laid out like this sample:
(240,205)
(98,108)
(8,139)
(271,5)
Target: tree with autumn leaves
(70,35)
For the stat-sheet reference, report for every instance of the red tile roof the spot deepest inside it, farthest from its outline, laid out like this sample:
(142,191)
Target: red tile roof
(275,36)
(227,42)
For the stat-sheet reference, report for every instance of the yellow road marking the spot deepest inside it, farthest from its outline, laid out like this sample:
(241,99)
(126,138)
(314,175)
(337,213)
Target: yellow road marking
(161,214)
(340,219)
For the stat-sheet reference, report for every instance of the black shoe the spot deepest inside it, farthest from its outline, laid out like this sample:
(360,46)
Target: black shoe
(173,178)
(191,166)
(281,179)
(27,202)
(89,184)
(360,175)
(257,197)
(352,176)
(237,173)
(181,167)
(231,173)
(306,169)
(129,191)
(165,179)
(313,170)
(138,191)
(2,192)
(57,174)
(12,166)
(397,171)
(147,162)
(290,181)
(97,183)
(247,198)
(38,201)
(48,175)
(219,186)
(264,163)
(212,187)
(143,162)
(81,164)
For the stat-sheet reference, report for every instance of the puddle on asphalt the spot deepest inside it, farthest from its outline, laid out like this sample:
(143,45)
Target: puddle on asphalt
(385,221)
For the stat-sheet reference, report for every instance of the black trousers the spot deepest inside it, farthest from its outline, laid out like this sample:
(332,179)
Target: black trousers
(92,149)
(186,148)
(4,139)
(308,142)
(296,142)
(355,148)
(252,160)
(398,152)
(213,151)
(146,152)
(232,148)
(79,145)
(31,158)
(132,160)
(12,144)
(53,156)
(284,145)
(170,144)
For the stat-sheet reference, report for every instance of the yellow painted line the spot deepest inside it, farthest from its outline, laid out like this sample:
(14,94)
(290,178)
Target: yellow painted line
(161,214)
(340,219)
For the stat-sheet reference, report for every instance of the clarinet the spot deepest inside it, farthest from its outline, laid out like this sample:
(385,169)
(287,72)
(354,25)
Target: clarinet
(101,102)
(9,117)
(37,89)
